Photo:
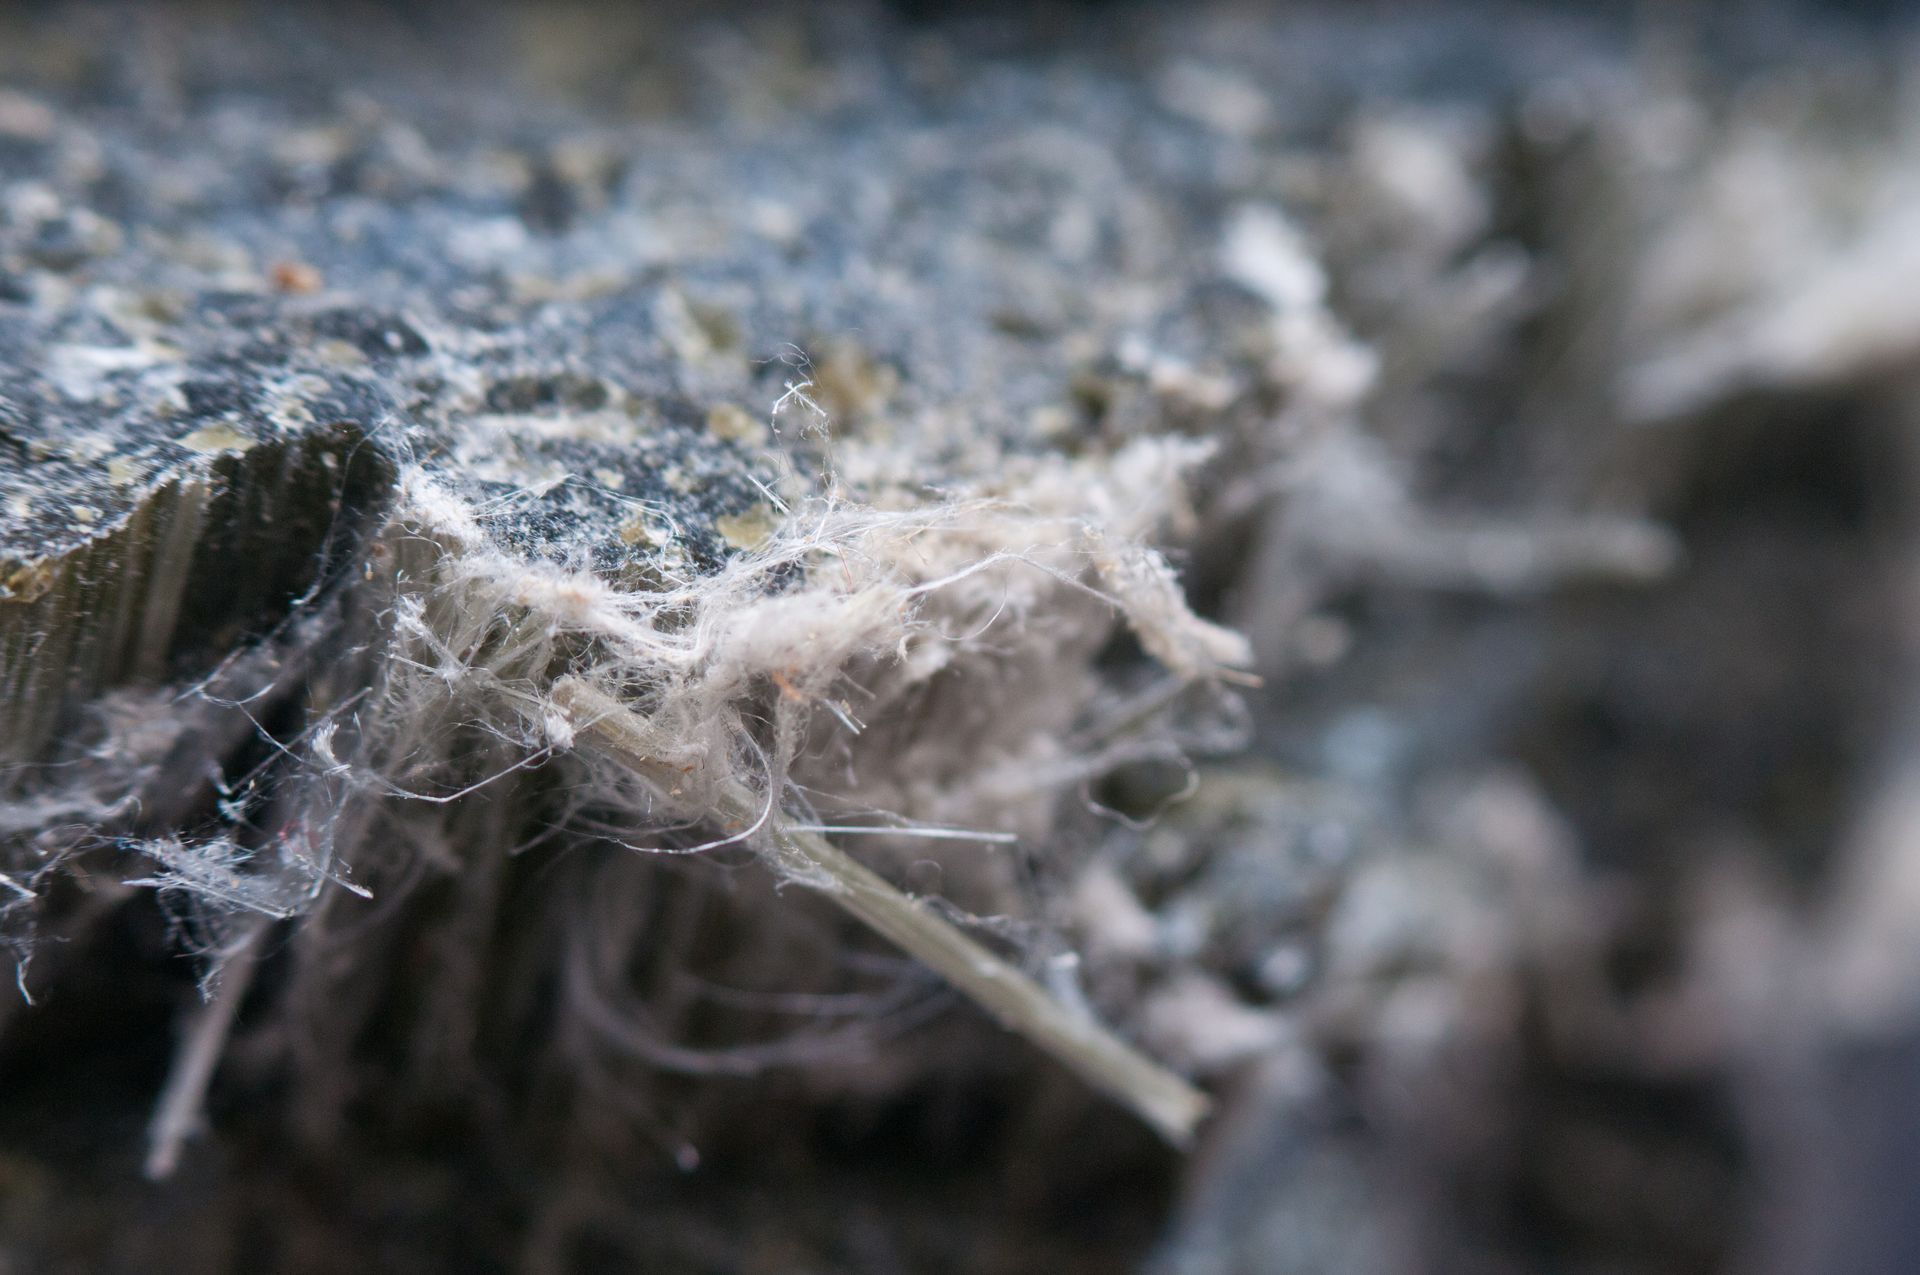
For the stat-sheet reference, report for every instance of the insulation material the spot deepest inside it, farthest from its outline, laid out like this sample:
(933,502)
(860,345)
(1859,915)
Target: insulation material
(794,639)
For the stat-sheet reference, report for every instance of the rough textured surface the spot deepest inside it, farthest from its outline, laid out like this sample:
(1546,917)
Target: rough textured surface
(841,387)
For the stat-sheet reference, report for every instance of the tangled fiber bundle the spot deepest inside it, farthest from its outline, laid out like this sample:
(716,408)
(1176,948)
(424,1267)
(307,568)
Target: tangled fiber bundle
(581,587)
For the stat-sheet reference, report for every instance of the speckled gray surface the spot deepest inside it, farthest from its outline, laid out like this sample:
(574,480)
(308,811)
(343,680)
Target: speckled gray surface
(237,250)
(620,276)
(234,256)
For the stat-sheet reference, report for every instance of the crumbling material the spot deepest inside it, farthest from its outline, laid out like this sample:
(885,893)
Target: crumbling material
(1165,1101)
(1449,294)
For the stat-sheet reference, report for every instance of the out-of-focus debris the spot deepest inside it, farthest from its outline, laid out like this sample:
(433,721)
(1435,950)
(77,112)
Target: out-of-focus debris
(1363,550)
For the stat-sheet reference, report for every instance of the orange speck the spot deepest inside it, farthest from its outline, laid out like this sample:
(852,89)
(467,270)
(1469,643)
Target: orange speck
(296,277)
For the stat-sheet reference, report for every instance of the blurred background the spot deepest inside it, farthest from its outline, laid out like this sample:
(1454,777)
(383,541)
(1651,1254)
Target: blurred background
(1552,904)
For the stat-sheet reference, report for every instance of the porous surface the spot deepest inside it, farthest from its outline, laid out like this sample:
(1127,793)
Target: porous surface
(842,387)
